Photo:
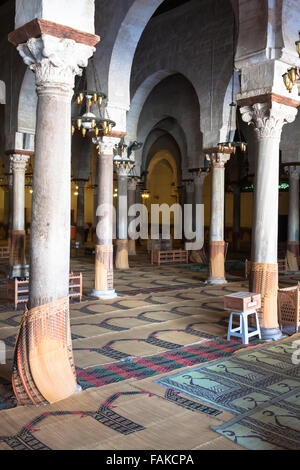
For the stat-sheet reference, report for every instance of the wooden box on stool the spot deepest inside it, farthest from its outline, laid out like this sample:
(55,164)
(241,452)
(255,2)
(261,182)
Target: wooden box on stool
(243,304)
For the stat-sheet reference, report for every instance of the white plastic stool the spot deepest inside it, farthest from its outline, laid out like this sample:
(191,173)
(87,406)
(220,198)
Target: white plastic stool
(243,330)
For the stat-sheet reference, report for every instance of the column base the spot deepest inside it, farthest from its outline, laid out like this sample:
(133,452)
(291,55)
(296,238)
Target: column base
(216,280)
(19,270)
(122,254)
(217,262)
(272,334)
(131,248)
(80,236)
(104,294)
(292,256)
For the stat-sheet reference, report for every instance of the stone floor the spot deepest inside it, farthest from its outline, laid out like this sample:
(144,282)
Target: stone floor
(164,319)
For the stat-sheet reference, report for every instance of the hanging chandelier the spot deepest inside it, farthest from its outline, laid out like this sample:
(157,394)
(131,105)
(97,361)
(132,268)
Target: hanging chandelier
(292,76)
(122,158)
(95,119)
(231,145)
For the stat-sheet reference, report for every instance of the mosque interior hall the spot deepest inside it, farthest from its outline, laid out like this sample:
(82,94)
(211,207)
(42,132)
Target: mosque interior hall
(149,225)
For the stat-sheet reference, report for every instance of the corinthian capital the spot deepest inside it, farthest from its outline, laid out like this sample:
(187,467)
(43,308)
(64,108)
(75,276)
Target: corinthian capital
(293,171)
(55,61)
(123,169)
(19,162)
(268,118)
(132,184)
(199,177)
(218,160)
(106,145)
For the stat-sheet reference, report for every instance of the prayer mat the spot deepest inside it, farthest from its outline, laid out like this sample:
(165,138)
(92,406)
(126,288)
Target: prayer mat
(140,368)
(110,418)
(242,382)
(271,426)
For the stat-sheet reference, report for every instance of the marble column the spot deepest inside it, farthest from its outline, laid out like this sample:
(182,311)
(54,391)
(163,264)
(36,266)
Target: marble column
(293,220)
(80,234)
(199,176)
(11,203)
(236,216)
(217,243)
(268,119)
(104,281)
(121,260)
(17,258)
(44,370)
(131,201)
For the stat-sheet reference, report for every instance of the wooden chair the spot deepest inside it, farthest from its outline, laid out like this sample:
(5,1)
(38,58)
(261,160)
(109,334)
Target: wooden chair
(18,291)
(170,256)
(4,252)
(289,306)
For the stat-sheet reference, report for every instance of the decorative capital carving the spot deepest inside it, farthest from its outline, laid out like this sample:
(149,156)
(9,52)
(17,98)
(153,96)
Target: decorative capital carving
(19,162)
(189,186)
(123,170)
(268,118)
(218,160)
(199,177)
(132,184)
(293,171)
(55,61)
(105,145)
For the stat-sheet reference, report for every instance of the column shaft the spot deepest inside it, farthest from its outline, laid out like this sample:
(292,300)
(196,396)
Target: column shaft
(293,251)
(121,260)
(104,229)
(80,233)
(50,217)
(217,243)
(18,236)
(236,218)
(131,202)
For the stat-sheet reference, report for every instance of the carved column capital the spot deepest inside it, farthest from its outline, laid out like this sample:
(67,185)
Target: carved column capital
(189,186)
(55,61)
(132,184)
(105,145)
(19,162)
(268,118)
(123,169)
(199,177)
(218,160)
(293,171)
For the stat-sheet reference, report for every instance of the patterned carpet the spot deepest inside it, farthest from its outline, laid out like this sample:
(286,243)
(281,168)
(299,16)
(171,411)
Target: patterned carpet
(262,386)
(165,319)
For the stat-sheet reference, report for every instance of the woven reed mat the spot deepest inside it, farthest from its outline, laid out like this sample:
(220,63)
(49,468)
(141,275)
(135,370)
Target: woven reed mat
(115,417)
(141,341)
(43,369)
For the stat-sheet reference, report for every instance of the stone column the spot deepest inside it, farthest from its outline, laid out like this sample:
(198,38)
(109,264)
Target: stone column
(131,201)
(104,282)
(198,256)
(268,119)
(44,369)
(11,203)
(293,221)
(236,216)
(17,258)
(217,243)
(121,260)
(80,213)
